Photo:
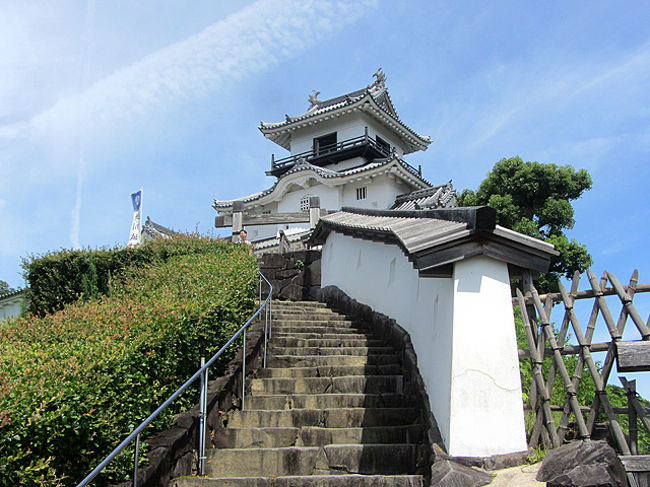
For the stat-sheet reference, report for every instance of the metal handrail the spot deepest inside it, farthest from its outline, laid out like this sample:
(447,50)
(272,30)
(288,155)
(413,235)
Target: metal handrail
(203,374)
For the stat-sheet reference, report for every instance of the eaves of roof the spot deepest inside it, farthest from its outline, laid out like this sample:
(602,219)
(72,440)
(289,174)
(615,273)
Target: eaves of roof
(328,174)
(435,197)
(277,132)
(274,241)
(155,227)
(11,294)
(435,239)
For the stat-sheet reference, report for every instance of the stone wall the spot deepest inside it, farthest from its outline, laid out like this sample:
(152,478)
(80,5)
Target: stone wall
(295,276)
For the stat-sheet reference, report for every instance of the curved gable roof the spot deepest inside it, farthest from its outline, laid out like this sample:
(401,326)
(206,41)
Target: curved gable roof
(324,173)
(373,99)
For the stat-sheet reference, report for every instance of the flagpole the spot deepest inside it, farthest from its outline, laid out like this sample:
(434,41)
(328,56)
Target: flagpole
(141,195)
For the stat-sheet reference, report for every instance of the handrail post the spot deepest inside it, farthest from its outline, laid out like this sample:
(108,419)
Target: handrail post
(243,374)
(136,460)
(202,407)
(266,329)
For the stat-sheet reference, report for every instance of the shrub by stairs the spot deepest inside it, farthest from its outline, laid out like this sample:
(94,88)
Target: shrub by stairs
(327,411)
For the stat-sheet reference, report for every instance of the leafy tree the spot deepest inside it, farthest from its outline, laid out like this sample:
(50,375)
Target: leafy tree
(535,199)
(4,288)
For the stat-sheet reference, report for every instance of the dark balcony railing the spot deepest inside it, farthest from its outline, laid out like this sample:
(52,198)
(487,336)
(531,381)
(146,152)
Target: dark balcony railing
(321,156)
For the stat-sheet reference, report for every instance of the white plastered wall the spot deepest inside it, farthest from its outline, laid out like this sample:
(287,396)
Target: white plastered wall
(381,192)
(462,330)
(11,306)
(487,416)
(380,276)
(346,127)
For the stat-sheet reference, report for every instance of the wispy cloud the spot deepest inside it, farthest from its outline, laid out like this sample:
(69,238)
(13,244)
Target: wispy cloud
(81,170)
(606,81)
(255,38)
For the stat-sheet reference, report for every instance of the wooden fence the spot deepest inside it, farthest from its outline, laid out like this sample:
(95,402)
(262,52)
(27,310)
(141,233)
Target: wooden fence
(630,356)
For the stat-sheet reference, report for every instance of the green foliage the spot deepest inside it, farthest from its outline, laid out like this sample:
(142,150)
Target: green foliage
(4,288)
(63,277)
(75,382)
(535,199)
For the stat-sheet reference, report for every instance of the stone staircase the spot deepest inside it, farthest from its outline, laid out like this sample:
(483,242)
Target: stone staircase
(327,411)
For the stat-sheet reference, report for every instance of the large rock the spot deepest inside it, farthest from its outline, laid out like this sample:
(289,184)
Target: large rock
(445,473)
(583,464)
(313,272)
(292,292)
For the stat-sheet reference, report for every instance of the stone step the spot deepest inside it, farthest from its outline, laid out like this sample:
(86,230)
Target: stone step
(326,418)
(293,304)
(333,323)
(308,316)
(364,335)
(277,350)
(325,401)
(318,330)
(304,481)
(275,308)
(316,436)
(316,360)
(376,384)
(326,342)
(330,371)
(337,459)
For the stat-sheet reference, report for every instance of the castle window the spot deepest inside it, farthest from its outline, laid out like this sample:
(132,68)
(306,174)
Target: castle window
(325,144)
(304,203)
(362,193)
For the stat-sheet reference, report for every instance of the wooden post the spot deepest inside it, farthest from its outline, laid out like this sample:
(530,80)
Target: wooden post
(237,220)
(314,211)
(272,161)
(630,390)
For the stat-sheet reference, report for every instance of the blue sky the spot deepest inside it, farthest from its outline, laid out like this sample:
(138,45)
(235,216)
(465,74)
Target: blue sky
(98,99)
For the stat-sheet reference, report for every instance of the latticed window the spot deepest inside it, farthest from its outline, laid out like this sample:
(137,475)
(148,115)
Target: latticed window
(304,203)
(362,193)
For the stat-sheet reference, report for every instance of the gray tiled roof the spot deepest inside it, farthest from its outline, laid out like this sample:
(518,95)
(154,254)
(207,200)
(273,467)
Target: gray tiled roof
(12,293)
(155,230)
(435,238)
(411,231)
(443,196)
(376,92)
(271,242)
(323,172)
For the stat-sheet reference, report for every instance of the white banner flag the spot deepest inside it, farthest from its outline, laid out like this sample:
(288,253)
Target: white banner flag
(134,237)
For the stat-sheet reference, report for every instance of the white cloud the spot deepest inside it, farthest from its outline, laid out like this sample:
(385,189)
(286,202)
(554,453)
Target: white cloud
(257,37)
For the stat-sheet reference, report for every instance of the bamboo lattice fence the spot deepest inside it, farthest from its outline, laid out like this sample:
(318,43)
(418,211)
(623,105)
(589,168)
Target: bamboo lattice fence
(545,341)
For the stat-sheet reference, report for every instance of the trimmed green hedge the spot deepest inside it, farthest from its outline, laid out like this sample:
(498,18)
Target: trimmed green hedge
(65,276)
(74,383)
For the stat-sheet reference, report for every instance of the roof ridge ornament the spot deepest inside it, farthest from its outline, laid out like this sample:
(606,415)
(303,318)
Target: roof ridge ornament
(381,77)
(313,98)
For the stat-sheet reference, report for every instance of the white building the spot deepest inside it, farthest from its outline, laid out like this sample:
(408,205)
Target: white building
(12,303)
(347,151)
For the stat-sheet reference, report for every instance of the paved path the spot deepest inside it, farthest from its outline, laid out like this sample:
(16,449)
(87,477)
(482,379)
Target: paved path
(522,476)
